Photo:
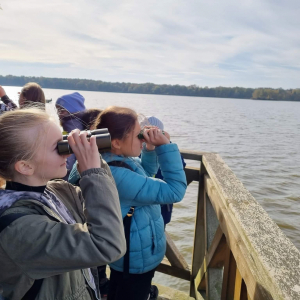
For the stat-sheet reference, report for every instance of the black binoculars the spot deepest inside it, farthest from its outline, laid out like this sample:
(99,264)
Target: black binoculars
(102,140)
(141,134)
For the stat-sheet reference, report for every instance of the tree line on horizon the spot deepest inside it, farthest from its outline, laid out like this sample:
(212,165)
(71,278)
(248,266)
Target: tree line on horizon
(157,89)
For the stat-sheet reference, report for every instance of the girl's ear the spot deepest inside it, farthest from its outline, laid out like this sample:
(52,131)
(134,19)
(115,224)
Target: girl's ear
(116,144)
(24,167)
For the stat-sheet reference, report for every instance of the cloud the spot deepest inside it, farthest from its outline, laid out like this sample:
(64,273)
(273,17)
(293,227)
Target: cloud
(250,43)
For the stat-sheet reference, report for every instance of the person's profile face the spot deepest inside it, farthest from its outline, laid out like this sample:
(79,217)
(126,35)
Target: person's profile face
(61,112)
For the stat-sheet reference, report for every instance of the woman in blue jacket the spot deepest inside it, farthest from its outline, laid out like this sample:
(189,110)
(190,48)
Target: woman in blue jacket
(141,194)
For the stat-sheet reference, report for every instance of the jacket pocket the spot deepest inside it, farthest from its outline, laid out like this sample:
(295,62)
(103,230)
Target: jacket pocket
(154,237)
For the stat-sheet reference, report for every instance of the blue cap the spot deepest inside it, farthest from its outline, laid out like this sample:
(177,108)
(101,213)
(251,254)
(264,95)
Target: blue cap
(156,122)
(72,102)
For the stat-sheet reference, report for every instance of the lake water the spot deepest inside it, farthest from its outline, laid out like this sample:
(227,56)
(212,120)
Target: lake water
(259,140)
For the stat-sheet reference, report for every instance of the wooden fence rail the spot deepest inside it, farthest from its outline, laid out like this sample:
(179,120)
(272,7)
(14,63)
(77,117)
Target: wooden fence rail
(239,252)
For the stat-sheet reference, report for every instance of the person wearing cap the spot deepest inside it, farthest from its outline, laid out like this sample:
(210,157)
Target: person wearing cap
(67,108)
(166,209)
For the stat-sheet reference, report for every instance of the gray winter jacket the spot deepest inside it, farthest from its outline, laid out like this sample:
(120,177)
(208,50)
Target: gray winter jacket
(40,245)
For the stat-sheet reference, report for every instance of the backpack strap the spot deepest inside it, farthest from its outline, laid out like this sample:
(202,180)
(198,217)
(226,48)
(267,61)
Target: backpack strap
(119,163)
(127,224)
(126,221)
(35,288)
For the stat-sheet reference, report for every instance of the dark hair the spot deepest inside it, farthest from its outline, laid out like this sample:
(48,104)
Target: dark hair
(32,92)
(88,116)
(118,120)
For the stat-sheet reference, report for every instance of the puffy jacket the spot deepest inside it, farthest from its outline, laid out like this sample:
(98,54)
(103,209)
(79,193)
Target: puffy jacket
(40,245)
(140,189)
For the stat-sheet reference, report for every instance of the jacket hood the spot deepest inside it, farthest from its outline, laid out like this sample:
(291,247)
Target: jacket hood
(8,198)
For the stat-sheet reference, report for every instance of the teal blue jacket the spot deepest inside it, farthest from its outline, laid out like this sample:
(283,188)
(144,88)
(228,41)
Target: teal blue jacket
(139,188)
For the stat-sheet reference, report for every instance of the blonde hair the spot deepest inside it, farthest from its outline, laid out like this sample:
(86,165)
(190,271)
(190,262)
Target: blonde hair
(18,141)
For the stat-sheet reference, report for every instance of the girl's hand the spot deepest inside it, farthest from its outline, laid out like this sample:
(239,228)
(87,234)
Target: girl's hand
(86,152)
(154,136)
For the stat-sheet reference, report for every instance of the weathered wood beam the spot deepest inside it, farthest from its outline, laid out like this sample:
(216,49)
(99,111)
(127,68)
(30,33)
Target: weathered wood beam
(192,174)
(197,296)
(199,234)
(166,268)
(174,256)
(217,252)
(237,286)
(217,247)
(190,154)
(228,276)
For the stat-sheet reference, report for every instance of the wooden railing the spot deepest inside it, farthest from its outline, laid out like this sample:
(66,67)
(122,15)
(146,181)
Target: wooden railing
(239,252)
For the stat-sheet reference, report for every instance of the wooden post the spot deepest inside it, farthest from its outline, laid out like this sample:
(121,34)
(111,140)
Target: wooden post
(199,235)
(228,276)
(214,275)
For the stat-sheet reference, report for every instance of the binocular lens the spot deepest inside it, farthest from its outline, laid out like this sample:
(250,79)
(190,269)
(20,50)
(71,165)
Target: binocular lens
(103,142)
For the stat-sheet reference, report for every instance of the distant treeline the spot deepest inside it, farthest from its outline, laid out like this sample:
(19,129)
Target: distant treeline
(151,88)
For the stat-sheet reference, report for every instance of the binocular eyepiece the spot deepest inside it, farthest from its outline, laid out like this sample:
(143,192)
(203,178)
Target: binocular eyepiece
(102,140)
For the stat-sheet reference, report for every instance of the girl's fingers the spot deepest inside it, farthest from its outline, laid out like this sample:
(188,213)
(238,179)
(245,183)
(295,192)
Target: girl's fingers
(83,139)
(145,134)
(93,143)
(151,136)
(73,139)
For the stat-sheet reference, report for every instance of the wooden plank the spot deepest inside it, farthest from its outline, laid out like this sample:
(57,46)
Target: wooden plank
(228,275)
(214,245)
(213,267)
(201,273)
(174,256)
(237,286)
(190,154)
(218,258)
(199,234)
(244,294)
(197,296)
(208,257)
(192,174)
(211,222)
(166,268)
(231,280)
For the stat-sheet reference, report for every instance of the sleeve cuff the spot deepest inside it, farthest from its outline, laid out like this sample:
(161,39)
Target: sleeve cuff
(93,171)
(166,148)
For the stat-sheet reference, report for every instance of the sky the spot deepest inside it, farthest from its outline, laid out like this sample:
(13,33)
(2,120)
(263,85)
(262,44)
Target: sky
(249,43)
